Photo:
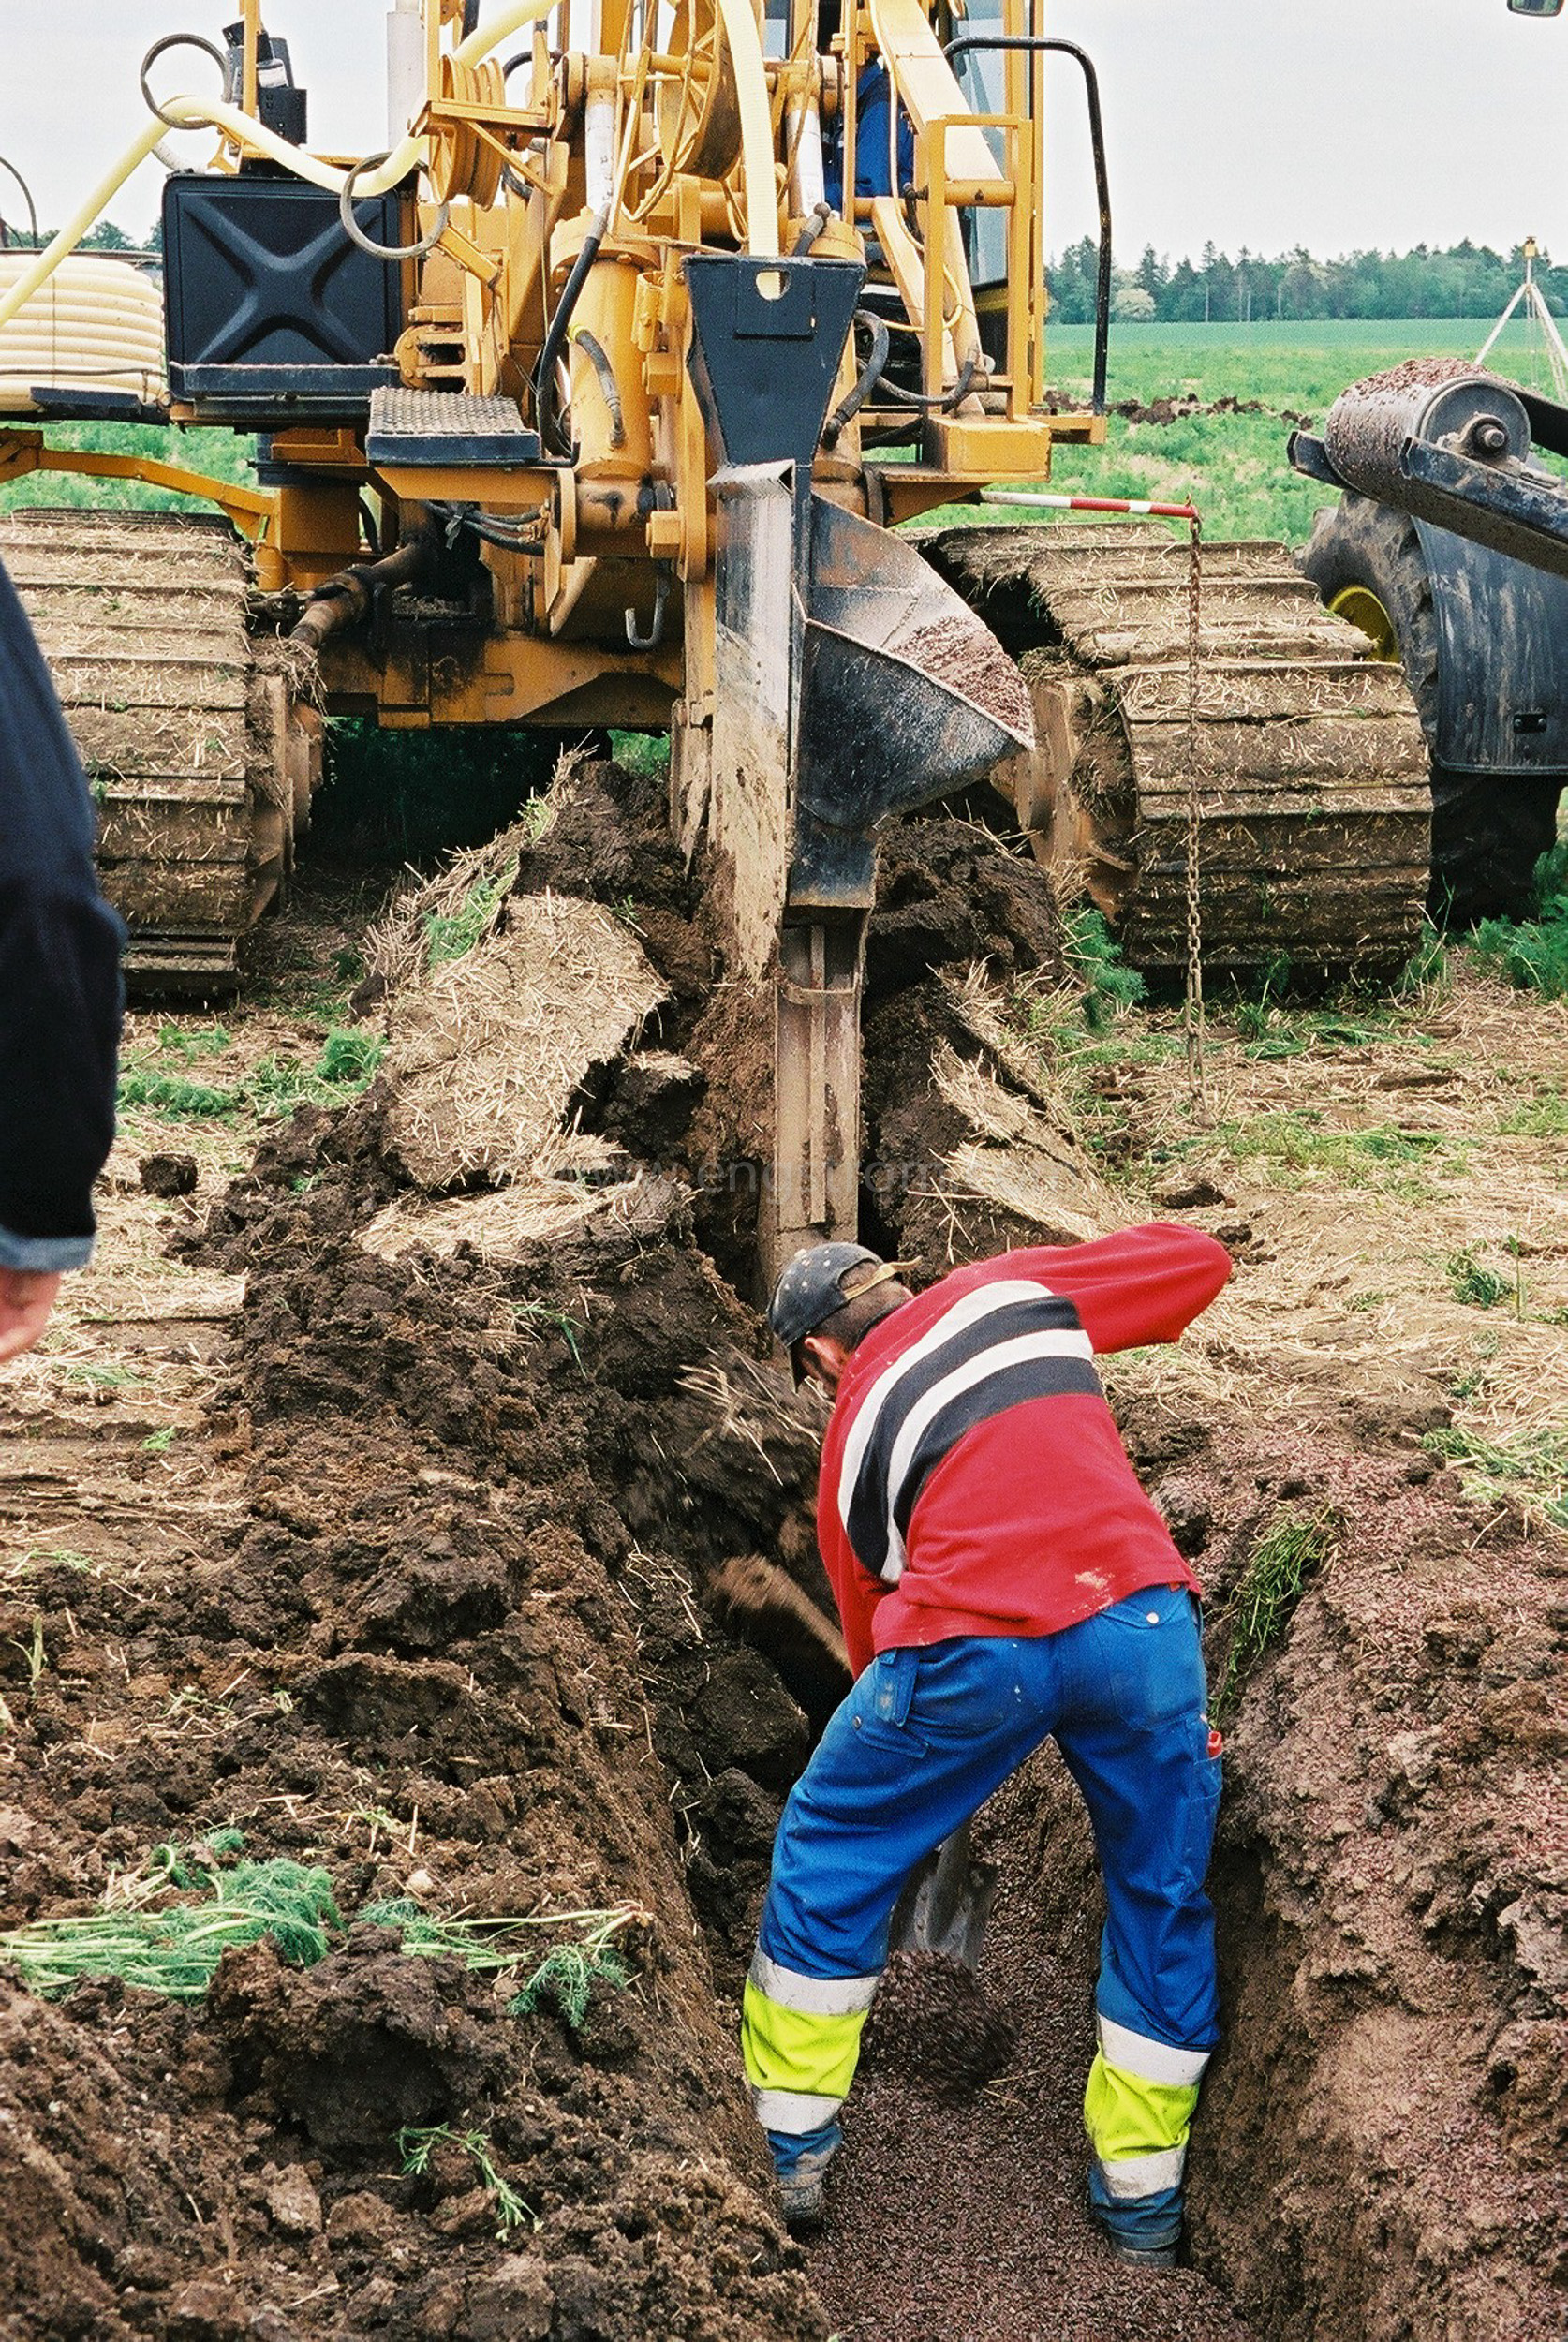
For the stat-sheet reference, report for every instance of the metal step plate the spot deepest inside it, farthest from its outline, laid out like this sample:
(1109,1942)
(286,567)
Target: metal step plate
(441,427)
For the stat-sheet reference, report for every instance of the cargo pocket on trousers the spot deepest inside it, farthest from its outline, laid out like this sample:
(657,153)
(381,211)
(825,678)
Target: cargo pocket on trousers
(893,1685)
(885,1720)
(1203,1806)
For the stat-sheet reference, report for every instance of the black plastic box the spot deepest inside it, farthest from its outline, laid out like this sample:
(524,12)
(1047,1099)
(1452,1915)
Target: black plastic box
(273,314)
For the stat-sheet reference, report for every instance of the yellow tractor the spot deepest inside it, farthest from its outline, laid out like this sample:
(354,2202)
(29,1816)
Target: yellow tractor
(600,398)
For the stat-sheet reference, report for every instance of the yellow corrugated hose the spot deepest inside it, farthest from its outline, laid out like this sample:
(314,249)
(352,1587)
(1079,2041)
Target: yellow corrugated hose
(751,87)
(100,323)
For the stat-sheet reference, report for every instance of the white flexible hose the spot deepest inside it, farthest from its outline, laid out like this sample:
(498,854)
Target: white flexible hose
(746,49)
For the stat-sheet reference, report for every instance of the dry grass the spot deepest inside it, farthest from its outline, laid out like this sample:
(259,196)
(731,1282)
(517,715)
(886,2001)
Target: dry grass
(1366,1158)
(463,903)
(488,1052)
(578,1185)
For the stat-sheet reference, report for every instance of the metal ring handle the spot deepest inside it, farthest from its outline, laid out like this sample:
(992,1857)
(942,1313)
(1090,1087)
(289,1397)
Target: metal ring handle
(366,243)
(183,40)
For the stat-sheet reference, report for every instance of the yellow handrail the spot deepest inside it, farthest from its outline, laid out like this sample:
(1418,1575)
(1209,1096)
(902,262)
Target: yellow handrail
(22,451)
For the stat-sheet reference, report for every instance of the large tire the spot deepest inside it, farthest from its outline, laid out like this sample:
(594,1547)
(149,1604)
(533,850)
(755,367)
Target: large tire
(1488,831)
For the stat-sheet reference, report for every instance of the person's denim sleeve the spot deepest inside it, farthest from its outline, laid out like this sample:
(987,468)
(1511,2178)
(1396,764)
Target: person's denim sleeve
(44,1256)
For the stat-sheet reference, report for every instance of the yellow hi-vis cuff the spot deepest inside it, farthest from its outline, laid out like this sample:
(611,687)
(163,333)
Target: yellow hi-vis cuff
(800,2062)
(1139,2120)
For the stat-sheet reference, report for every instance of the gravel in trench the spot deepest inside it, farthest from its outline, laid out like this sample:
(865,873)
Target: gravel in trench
(960,2216)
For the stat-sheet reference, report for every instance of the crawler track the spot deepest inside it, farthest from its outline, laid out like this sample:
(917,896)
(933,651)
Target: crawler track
(1313,791)
(201,758)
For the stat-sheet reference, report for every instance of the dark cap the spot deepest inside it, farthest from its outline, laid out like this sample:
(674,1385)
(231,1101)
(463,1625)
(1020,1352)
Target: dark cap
(813,1287)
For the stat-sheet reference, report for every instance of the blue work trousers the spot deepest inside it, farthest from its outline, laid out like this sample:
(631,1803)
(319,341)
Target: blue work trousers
(922,1741)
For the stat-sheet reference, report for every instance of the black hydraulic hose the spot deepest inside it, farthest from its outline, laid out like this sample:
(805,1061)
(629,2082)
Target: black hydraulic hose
(940,403)
(555,340)
(598,358)
(811,230)
(27,199)
(470,18)
(868,379)
(1102,176)
(344,600)
(519,536)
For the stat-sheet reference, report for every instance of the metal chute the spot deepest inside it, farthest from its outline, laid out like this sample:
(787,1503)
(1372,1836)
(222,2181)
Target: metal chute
(850,685)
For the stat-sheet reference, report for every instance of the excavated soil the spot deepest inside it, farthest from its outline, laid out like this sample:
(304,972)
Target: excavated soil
(408,1563)
(417,1641)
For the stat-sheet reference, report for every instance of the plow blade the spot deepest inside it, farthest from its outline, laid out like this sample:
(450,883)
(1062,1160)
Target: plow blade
(850,685)
(904,695)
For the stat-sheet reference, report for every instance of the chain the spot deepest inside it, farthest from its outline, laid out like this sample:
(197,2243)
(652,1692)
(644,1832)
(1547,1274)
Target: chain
(1194,1011)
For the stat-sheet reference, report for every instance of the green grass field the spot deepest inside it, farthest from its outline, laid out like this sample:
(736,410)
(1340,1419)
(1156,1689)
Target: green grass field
(1233,467)
(221,454)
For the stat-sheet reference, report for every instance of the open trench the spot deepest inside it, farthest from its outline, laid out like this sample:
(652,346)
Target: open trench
(429,1597)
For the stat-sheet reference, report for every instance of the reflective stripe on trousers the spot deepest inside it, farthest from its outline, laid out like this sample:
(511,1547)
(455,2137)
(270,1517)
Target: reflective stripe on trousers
(1138,2109)
(800,2038)
(921,1742)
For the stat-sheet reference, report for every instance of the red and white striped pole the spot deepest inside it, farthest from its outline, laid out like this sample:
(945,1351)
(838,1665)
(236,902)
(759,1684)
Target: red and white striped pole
(1037,497)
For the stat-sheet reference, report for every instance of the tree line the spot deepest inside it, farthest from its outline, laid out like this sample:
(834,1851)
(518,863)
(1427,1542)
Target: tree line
(1467,280)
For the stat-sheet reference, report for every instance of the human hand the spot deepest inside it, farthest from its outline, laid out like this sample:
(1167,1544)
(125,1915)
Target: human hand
(26,1297)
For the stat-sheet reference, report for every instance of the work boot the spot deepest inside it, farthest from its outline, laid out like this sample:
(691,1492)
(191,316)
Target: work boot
(1145,2232)
(1141,2256)
(801,2167)
(802,2196)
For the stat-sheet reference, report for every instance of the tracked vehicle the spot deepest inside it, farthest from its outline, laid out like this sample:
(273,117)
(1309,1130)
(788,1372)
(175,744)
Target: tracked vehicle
(599,399)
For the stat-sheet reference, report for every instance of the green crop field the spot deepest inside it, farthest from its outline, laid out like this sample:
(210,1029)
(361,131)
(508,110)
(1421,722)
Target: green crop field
(220,454)
(1232,465)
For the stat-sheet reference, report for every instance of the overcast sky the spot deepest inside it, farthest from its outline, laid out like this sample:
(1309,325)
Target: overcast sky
(1266,123)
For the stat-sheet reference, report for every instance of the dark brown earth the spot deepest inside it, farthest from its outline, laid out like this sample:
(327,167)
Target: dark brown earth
(424,1598)
(959,652)
(427,1610)
(1162,410)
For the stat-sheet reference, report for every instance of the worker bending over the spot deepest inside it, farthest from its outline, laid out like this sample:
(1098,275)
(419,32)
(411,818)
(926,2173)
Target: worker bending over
(1001,1577)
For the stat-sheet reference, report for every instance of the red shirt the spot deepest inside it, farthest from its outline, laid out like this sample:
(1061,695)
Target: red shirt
(973,1481)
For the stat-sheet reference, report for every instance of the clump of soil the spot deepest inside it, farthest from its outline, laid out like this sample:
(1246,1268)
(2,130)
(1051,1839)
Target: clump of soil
(933,2024)
(967,1150)
(1393,1917)
(429,1651)
(1379,2148)
(487,1055)
(1164,410)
